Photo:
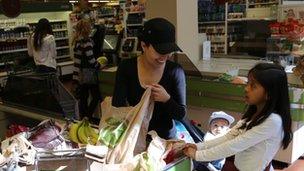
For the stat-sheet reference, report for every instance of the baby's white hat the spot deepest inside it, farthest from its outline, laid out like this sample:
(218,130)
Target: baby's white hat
(223,115)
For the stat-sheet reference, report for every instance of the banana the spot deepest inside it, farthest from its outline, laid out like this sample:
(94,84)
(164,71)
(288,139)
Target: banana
(73,132)
(83,138)
(90,132)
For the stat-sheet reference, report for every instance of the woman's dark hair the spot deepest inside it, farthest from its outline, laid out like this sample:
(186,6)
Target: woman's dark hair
(141,38)
(274,80)
(42,29)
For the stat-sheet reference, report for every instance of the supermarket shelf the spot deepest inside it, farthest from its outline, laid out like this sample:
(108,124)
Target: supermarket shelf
(25,38)
(65,63)
(222,34)
(217,41)
(212,22)
(25,49)
(61,38)
(136,12)
(263,3)
(13,51)
(62,47)
(51,21)
(13,39)
(106,15)
(250,19)
(130,25)
(63,56)
(56,30)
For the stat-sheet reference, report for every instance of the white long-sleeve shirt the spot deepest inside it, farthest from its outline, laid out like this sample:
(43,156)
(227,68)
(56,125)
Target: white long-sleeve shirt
(47,54)
(253,149)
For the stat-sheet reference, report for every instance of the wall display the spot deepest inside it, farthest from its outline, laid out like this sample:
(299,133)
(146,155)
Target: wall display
(228,25)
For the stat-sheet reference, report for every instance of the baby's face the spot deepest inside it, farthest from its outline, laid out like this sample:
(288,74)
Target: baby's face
(219,126)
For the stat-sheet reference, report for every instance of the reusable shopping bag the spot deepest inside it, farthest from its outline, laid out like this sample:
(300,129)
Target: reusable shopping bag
(124,128)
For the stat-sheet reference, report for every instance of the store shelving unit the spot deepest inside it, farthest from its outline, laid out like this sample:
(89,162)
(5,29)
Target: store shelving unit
(13,40)
(133,21)
(221,23)
(60,32)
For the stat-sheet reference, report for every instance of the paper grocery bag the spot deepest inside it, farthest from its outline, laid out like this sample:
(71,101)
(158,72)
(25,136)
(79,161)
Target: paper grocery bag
(124,128)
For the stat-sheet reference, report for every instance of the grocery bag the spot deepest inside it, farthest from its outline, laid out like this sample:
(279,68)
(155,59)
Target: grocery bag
(124,128)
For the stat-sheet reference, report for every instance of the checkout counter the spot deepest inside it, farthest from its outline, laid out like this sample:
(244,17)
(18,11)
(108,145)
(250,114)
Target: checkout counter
(204,91)
(26,105)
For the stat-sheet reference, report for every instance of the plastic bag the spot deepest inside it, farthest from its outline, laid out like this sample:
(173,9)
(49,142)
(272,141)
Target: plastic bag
(46,135)
(125,128)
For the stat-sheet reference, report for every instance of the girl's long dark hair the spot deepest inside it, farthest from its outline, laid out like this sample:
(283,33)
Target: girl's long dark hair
(42,29)
(274,80)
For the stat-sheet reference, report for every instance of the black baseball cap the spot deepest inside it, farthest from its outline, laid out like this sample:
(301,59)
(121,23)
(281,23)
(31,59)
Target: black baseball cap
(160,33)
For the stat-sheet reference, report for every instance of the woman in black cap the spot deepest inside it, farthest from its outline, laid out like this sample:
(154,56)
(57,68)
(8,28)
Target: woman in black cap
(154,69)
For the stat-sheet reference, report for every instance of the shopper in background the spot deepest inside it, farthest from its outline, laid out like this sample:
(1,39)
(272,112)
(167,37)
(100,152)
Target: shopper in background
(42,46)
(153,68)
(264,128)
(84,61)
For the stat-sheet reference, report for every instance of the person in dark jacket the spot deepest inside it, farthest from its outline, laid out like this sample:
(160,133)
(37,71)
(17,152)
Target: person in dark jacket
(153,68)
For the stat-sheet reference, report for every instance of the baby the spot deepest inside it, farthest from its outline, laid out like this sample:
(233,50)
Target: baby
(219,125)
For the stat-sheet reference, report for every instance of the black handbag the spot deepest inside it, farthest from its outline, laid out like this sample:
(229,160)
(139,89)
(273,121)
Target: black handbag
(88,76)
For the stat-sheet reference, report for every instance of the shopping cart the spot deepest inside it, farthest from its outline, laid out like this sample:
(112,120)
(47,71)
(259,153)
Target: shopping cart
(43,93)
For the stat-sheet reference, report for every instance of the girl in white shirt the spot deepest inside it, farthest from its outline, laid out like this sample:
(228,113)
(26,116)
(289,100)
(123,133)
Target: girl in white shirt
(42,46)
(264,128)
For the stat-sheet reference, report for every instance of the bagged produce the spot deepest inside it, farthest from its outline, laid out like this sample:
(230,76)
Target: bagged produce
(46,135)
(124,128)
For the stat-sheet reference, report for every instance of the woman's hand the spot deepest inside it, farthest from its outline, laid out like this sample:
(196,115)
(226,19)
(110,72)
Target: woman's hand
(159,94)
(190,152)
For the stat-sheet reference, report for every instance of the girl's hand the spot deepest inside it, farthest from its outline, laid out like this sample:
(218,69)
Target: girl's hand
(159,94)
(191,145)
(190,152)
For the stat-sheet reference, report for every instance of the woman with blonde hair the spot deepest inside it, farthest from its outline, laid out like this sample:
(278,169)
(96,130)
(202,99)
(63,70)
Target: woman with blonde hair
(85,68)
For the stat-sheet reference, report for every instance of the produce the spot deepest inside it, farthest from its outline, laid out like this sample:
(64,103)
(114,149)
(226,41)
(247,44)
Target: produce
(83,133)
(82,137)
(112,132)
(102,60)
(92,135)
(73,132)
